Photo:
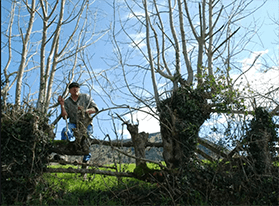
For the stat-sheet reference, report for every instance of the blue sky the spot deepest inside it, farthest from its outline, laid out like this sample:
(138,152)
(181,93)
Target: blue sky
(265,42)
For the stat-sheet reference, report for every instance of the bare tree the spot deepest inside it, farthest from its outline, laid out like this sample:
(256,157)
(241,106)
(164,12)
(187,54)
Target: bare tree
(8,34)
(190,48)
(51,35)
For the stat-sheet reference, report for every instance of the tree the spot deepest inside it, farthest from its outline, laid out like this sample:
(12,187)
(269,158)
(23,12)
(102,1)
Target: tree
(189,50)
(182,64)
(52,35)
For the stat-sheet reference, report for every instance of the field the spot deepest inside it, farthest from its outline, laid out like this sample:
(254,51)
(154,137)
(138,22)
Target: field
(72,189)
(75,182)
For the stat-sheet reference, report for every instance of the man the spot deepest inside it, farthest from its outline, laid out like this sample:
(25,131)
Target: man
(69,109)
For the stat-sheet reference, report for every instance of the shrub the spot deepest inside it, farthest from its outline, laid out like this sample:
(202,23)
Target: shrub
(25,141)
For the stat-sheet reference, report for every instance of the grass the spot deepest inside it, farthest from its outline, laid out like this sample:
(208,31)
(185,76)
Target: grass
(72,182)
(72,189)
(276,163)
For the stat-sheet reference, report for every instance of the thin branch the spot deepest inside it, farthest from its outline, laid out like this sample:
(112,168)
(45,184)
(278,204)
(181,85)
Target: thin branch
(153,78)
(247,69)
(184,45)
(225,40)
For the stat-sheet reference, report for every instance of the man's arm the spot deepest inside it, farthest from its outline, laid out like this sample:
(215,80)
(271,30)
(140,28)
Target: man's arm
(91,110)
(63,110)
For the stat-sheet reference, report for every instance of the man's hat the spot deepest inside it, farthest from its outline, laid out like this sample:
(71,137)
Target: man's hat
(74,84)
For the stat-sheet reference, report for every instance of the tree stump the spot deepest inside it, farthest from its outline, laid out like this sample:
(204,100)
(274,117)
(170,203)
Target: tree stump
(139,141)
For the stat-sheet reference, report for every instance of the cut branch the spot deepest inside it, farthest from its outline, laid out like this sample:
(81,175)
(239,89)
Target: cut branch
(212,148)
(206,156)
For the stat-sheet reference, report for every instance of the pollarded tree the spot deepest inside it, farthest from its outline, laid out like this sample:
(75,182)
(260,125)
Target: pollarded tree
(189,51)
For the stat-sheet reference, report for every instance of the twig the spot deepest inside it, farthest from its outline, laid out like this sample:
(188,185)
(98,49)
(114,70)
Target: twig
(67,128)
(56,120)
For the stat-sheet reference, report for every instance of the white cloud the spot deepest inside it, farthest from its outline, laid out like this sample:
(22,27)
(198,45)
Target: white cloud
(138,40)
(247,62)
(256,78)
(147,123)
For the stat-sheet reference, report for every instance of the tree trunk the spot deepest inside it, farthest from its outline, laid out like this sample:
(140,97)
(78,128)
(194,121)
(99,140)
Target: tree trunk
(139,141)
(181,117)
(266,153)
(24,54)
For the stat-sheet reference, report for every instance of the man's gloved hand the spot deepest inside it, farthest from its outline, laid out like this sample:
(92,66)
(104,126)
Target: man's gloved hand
(61,100)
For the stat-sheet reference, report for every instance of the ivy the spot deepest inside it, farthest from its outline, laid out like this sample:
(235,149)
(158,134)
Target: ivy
(260,139)
(181,116)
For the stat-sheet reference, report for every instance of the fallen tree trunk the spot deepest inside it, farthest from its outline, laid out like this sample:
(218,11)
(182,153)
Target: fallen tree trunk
(89,171)
(64,162)
(65,148)
(212,148)
(206,156)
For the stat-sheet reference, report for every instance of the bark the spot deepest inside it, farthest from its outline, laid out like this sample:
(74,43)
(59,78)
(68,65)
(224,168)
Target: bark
(212,148)
(176,46)
(8,85)
(44,69)
(25,42)
(139,141)
(62,148)
(53,59)
(153,77)
(206,156)
(180,118)
(209,52)
(184,45)
(266,156)
(42,59)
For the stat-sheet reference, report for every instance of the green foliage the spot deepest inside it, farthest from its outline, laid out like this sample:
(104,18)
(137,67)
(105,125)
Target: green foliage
(141,170)
(200,184)
(24,152)
(221,93)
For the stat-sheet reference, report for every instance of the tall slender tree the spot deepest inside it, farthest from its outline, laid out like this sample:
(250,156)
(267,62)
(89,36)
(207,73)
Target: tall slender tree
(51,34)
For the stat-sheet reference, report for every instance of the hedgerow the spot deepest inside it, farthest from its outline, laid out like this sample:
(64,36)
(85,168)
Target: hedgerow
(25,142)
